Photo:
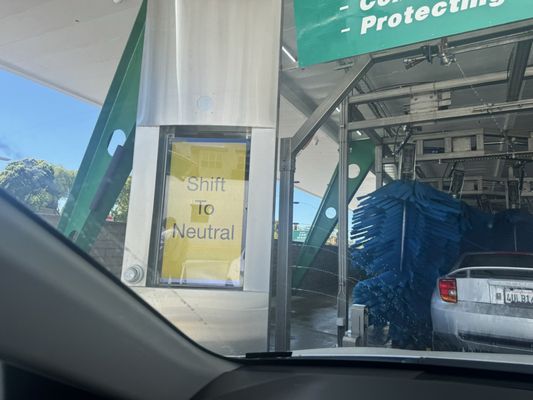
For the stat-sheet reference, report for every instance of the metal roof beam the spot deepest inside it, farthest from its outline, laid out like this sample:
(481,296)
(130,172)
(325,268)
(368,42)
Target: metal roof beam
(325,109)
(305,104)
(479,80)
(356,115)
(433,116)
(497,37)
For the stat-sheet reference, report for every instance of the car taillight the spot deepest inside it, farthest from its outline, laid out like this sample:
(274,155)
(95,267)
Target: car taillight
(448,290)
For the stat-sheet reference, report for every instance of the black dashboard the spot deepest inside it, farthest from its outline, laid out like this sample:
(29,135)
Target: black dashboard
(282,382)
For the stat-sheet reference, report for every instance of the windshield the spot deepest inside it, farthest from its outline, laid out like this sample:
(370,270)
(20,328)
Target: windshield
(353,176)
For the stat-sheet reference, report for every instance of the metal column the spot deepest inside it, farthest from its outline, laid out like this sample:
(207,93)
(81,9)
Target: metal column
(289,148)
(516,75)
(378,166)
(283,270)
(342,238)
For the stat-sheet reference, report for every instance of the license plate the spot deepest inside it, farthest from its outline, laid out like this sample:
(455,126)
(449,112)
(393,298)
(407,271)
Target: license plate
(519,297)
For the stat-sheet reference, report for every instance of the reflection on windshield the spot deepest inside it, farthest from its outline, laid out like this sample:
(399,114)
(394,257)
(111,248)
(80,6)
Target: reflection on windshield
(313,187)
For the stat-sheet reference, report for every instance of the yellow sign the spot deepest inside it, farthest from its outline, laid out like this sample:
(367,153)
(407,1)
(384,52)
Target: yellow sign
(202,240)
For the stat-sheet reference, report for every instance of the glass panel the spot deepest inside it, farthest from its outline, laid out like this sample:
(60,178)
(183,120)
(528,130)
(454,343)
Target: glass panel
(500,260)
(202,238)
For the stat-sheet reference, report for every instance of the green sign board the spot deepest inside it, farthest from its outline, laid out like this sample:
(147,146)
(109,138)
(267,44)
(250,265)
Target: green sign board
(300,235)
(328,30)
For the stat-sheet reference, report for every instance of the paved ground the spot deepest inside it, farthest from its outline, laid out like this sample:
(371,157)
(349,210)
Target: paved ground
(313,323)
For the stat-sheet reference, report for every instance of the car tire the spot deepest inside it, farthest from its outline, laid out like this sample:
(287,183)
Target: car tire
(440,344)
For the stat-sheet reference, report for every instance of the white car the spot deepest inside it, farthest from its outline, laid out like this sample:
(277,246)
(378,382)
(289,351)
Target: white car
(485,304)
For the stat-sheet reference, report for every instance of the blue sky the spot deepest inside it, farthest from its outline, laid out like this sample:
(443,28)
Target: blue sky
(43,123)
(39,122)
(305,206)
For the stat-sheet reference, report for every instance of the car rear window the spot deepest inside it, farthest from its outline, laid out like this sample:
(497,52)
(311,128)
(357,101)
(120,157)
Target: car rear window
(500,273)
(498,260)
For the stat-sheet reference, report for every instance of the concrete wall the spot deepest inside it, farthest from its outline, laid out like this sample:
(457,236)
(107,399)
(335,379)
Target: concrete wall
(108,249)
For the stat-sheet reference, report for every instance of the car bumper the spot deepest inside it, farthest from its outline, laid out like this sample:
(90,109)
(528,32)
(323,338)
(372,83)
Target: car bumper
(481,327)
(479,344)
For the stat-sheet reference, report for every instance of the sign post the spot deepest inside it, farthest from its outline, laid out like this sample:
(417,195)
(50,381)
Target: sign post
(328,30)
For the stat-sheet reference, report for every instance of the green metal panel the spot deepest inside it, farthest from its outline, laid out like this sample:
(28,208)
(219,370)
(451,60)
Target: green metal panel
(101,176)
(361,152)
(332,29)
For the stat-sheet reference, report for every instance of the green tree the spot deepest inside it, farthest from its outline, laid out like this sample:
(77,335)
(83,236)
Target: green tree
(119,212)
(64,179)
(36,183)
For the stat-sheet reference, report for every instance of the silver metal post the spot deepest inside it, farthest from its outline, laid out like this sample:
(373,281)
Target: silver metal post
(283,271)
(289,148)
(378,166)
(342,238)
(518,72)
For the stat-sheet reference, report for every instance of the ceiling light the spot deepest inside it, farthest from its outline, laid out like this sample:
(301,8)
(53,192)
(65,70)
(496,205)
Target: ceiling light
(288,54)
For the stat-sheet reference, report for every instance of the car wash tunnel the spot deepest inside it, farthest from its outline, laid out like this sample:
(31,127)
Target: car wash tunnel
(314,174)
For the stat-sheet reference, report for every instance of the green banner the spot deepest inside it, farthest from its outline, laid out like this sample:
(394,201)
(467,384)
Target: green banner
(328,30)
